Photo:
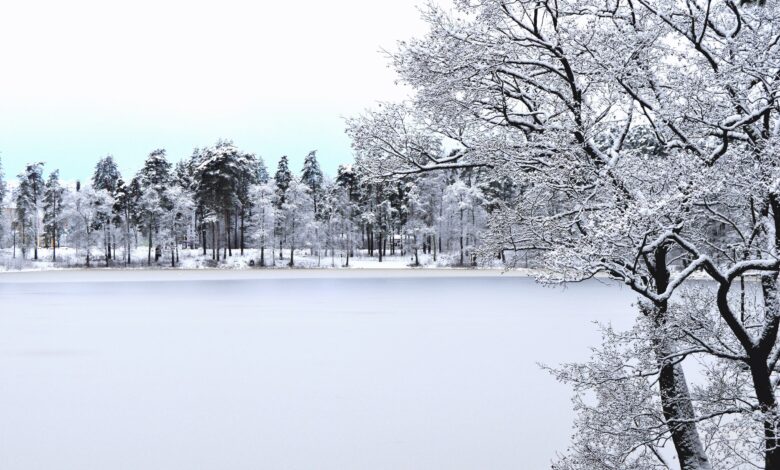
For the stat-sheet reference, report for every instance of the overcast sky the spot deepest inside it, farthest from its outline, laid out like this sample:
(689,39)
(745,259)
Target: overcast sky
(86,78)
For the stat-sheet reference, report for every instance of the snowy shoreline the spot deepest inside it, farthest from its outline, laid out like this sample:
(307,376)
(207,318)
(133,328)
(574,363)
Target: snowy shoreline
(216,274)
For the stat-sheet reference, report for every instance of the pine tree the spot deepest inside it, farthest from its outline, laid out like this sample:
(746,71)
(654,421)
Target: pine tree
(126,210)
(312,177)
(261,171)
(52,209)
(106,175)
(282,180)
(29,196)
(223,177)
(156,172)
(183,174)
(152,179)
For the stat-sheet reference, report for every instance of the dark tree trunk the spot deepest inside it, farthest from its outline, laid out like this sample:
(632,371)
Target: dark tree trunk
(214,249)
(228,245)
(203,236)
(675,397)
(762,380)
(235,230)
(54,238)
(242,233)
(149,253)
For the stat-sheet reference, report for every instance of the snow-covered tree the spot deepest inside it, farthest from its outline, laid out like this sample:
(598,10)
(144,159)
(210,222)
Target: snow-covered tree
(153,179)
(29,197)
(223,176)
(553,96)
(107,176)
(282,179)
(52,211)
(261,171)
(178,214)
(312,176)
(296,215)
(464,202)
(84,209)
(126,210)
(264,217)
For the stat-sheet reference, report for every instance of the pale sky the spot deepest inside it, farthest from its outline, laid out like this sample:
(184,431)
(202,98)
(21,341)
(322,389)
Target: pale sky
(86,78)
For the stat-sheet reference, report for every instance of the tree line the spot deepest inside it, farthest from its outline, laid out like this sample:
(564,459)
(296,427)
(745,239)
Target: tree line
(222,200)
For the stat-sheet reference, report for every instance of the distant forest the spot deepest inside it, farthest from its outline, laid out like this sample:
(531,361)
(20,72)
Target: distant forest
(222,200)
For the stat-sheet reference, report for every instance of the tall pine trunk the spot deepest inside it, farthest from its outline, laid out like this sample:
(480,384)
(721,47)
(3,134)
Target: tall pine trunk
(242,233)
(149,251)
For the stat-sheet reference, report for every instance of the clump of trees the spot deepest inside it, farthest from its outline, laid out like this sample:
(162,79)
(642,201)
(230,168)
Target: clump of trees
(220,201)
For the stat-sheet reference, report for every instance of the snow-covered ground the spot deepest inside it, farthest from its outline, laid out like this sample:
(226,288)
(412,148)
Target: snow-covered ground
(300,370)
(194,259)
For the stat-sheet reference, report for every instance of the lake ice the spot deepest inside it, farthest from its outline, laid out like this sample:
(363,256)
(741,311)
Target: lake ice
(317,371)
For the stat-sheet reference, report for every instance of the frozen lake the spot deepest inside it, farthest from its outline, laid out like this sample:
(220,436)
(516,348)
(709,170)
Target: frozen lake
(328,371)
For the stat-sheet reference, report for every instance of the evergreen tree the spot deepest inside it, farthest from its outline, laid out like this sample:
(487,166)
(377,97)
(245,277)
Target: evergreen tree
(261,171)
(312,177)
(106,175)
(183,174)
(156,172)
(29,196)
(224,175)
(152,180)
(125,209)
(52,211)
(282,179)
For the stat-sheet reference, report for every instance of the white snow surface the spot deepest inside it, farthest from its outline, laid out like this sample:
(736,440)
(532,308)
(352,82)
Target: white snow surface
(290,369)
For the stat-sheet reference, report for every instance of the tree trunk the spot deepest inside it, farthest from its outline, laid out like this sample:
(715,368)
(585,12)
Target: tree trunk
(228,246)
(213,242)
(762,381)
(242,233)
(54,237)
(235,230)
(675,397)
(149,253)
(127,237)
(203,236)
